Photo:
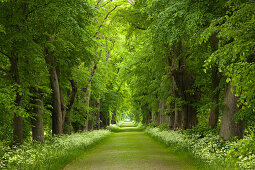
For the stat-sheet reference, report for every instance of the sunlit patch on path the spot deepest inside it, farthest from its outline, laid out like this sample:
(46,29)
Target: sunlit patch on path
(129,149)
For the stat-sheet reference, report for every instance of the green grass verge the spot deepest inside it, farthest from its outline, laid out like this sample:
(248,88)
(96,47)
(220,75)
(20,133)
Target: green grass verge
(182,148)
(53,154)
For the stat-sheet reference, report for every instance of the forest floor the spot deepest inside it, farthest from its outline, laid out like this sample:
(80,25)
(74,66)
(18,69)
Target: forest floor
(130,148)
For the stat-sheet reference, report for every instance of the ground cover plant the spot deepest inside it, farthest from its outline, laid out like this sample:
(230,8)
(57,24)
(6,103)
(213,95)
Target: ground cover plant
(53,154)
(115,127)
(209,148)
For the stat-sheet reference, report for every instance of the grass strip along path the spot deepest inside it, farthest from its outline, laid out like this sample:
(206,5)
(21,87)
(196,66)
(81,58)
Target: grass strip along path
(130,148)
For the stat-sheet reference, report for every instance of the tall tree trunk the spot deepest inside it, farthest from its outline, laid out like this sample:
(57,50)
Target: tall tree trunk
(214,111)
(62,99)
(63,108)
(72,95)
(177,113)
(17,119)
(177,118)
(91,122)
(184,81)
(86,101)
(154,117)
(159,113)
(102,123)
(98,114)
(216,76)
(37,118)
(149,120)
(171,116)
(113,120)
(57,119)
(229,128)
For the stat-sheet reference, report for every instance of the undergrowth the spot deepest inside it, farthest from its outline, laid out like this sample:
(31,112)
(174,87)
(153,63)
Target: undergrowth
(115,127)
(53,154)
(209,149)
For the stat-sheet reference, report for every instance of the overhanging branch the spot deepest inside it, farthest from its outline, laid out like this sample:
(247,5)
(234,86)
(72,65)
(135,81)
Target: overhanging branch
(5,54)
(106,17)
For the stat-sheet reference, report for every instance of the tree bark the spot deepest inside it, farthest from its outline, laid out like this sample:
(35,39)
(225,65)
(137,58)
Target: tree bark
(229,128)
(57,119)
(98,114)
(37,118)
(91,123)
(72,95)
(171,117)
(113,120)
(214,111)
(102,123)
(149,120)
(184,81)
(216,76)
(86,101)
(17,119)
(63,108)
(177,118)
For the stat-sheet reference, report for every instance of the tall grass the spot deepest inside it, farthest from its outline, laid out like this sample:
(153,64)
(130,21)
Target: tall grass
(55,153)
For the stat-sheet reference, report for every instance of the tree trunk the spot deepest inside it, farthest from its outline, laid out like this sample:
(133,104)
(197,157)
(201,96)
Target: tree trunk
(18,129)
(68,124)
(214,111)
(216,76)
(17,119)
(72,95)
(63,108)
(171,121)
(113,120)
(37,118)
(102,123)
(171,117)
(229,128)
(57,119)
(91,123)
(86,101)
(177,118)
(98,114)
(149,120)
(184,81)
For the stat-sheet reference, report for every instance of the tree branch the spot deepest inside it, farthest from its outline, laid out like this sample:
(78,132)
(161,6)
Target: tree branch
(106,17)
(5,54)
(72,96)
(132,2)
(140,28)
(105,4)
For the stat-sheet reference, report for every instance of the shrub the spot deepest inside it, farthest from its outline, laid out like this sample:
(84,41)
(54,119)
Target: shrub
(242,153)
(163,127)
(113,128)
(152,124)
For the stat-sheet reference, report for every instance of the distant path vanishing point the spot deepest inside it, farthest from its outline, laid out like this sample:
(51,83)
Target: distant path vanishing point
(132,149)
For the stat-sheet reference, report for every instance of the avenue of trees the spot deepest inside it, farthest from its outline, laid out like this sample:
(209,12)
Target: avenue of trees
(192,63)
(68,66)
(57,74)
